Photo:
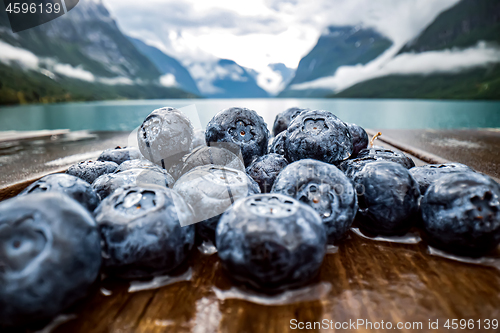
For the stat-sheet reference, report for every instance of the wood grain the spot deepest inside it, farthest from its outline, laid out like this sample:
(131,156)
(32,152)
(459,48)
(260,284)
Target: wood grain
(369,280)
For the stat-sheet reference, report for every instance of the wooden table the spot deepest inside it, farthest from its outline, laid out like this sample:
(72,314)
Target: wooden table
(368,280)
(372,281)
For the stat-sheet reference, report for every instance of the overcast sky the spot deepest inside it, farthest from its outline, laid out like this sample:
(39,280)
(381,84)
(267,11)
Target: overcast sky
(255,33)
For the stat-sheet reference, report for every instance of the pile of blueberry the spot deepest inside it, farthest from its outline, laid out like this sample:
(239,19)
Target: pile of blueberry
(269,205)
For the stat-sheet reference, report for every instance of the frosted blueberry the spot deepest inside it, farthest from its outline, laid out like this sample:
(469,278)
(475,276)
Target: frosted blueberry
(50,255)
(107,184)
(142,233)
(388,198)
(120,154)
(323,187)
(319,135)
(72,186)
(199,138)
(461,213)
(427,174)
(210,190)
(211,156)
(383,154)
(265,169)
(271,242)
(243,129)
(359,138)
(278,144)
(283,119)
(165,136)
(91,170)
(139,164)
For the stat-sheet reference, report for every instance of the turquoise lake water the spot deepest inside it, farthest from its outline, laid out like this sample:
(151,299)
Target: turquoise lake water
(127,115)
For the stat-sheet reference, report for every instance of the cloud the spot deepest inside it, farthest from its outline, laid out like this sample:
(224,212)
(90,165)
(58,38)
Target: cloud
(10,54)
(47,66)
(255,33)
(272,79)
(400,20)
(168,80)
(206,72)
(119,80)
(74,72)
(187,15)
(446,61)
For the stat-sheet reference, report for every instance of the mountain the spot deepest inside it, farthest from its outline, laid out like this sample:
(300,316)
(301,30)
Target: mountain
(337,46)
(167,65)
(78,52)
(285,72)
(274,78)
(18,85)
(461,26)
(224,78)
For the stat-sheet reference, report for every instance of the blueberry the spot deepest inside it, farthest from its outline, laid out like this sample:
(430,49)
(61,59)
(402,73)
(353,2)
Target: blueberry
(120,154)
(283,119)
(72,186)
(165,136)
(242,130)
(323,187)
(91,170)
(107,184)
(373,154)
(351,167)
(211,156)
(271,242)
(427,174)
(388,198)
(387,155)
(138,164)
(319,135)
(50,255)
(359,138)
(209,190)
(142,233)
(278,145)
(174,170)
(461,213)
(270,143)
(265,169)
(199,138)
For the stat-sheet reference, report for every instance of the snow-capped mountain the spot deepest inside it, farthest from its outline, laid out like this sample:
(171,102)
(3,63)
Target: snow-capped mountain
(223,78)
(274,78)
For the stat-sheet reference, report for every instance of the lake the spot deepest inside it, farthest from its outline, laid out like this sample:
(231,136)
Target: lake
(369,113)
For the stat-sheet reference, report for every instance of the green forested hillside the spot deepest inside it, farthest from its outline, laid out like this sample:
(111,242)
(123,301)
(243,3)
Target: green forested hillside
(479,83)
(461,26)
(21,86)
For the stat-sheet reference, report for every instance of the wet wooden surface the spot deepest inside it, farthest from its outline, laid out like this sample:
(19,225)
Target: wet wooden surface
(479,149)
(368,280)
